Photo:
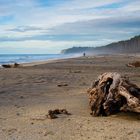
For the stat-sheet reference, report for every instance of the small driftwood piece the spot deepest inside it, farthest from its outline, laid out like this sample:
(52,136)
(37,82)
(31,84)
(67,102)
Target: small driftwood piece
(112,93)
(62,85)
(52,114)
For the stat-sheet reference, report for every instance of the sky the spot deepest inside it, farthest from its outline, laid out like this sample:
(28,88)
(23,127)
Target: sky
(48,26)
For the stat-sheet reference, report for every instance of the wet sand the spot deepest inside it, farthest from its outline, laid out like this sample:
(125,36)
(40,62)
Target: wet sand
(27,93)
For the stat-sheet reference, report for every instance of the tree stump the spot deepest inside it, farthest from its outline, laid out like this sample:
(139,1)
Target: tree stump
(112,93)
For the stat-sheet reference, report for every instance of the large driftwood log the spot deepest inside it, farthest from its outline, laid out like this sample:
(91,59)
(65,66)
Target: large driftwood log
(15,65)
(112,93)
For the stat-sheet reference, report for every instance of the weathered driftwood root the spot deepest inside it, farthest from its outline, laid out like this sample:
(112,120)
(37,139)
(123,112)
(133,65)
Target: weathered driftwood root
(112,93)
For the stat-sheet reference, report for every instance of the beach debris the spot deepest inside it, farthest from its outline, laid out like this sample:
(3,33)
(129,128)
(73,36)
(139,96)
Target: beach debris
(134,64)
(62,85)
(32,123)
(21,97)
(15,65)
(77,71)
(18,114)
(52,114)
(112,93)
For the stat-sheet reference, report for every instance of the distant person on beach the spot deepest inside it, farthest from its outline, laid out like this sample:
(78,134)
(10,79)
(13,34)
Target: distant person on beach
(84,54)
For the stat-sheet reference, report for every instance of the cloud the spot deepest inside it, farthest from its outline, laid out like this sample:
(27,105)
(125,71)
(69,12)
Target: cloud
(25,29)
(107,28)
(34,12)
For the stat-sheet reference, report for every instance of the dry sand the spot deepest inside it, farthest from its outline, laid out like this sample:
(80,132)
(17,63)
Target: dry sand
(27,93)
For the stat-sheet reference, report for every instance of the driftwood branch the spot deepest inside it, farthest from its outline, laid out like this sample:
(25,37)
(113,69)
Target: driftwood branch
(112,93)
(134,64)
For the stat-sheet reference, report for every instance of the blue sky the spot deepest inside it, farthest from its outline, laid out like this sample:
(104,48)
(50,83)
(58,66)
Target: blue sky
(48,26)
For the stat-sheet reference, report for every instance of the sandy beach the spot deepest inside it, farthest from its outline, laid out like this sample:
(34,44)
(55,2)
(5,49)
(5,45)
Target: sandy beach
(27,93)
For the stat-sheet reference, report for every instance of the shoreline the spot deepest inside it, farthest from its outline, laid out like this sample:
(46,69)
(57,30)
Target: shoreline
(31,58)
(40,62)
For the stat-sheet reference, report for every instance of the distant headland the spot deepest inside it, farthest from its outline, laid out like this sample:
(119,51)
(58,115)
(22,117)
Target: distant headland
(126,46)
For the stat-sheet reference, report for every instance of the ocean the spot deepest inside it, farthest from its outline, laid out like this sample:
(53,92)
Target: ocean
(27,58)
